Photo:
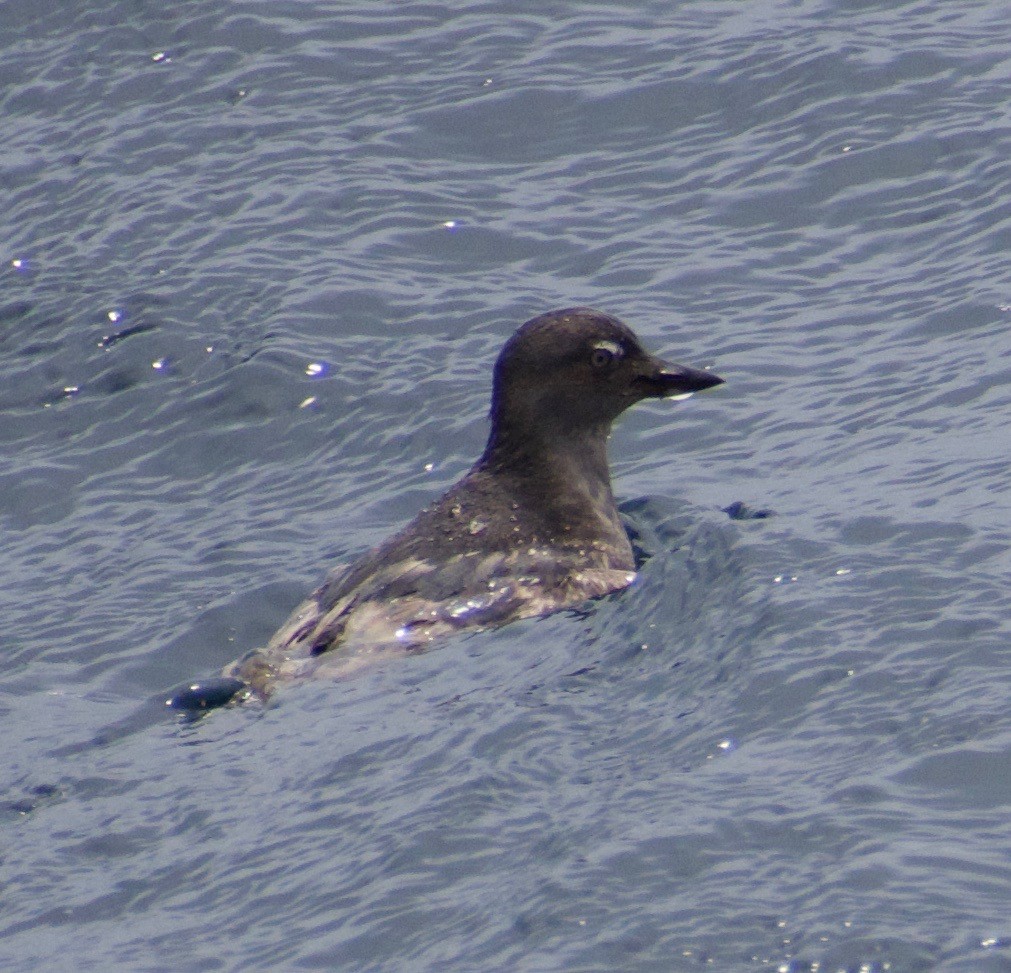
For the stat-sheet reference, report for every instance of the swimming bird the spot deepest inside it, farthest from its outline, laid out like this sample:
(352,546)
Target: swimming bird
(531,529)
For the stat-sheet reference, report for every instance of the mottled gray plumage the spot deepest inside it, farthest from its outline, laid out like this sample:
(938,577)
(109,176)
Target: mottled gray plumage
(532,528)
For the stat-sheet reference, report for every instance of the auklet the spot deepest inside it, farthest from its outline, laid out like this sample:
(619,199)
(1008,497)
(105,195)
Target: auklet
(532,528)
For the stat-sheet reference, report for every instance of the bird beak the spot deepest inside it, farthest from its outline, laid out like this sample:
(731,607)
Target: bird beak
(671,379)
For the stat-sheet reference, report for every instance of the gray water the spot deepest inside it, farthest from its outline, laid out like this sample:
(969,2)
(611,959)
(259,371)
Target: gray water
(257,260)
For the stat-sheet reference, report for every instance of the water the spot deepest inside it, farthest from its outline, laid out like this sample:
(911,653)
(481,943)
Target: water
(257,260)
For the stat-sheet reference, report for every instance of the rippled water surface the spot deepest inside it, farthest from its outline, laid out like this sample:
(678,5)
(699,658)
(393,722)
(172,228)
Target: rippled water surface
(257,259)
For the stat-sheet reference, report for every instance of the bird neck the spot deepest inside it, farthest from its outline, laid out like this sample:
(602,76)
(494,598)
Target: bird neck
(560,480)
(565,458)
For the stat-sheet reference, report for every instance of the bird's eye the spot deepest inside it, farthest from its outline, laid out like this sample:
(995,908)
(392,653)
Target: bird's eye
(605,353)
